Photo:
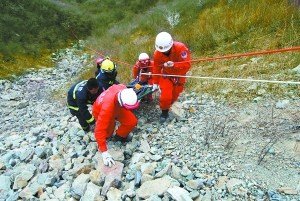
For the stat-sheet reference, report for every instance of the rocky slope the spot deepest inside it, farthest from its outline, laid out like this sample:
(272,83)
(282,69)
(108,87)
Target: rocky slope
(209,150)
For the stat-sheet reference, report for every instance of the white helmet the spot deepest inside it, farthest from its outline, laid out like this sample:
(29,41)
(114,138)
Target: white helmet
(143,56)
(163,42)
(128,99)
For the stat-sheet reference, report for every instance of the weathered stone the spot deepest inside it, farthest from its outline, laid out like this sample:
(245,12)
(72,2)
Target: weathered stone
(79,184)
(287,190)
(4,186)
(56,162)
(144,147)
(195,184)
(97,177)
(117,155)
(112,176)
(222,182)
(148,168)
(60,193)
(233,183)
(114,194)
(157,186)
(146,177)
(92,193)
(22,179)
(164,171)
(179,194)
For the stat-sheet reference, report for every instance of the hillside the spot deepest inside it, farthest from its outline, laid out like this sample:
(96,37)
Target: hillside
(224,140)
(32,30)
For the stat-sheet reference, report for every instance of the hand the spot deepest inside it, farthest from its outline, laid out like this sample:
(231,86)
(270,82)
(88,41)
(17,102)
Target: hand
(169,64)
(107,159)
(155,87)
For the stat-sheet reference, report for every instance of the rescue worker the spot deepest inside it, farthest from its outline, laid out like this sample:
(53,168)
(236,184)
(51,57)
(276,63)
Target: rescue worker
(143,65)
(114,104)
(79,95)
(170,58)
(107,74)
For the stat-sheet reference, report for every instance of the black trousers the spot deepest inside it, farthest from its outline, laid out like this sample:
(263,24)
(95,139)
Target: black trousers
(84,125)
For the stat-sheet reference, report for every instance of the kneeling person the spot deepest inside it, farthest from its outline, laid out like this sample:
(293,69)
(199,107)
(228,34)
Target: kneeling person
(114,104)
(79,96)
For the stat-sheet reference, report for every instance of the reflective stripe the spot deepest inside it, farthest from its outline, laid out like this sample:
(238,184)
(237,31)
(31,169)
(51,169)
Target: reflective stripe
(90,120)
(73,108)
(76,88)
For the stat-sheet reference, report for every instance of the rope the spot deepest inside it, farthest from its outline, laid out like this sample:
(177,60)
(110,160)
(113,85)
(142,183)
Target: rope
(224,78)
(290,49)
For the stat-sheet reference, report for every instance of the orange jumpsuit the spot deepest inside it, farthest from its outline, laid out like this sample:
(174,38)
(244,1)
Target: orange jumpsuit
(139,67)
(171,87)
(106,111)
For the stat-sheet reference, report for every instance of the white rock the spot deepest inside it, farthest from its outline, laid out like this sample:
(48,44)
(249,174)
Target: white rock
(179,194)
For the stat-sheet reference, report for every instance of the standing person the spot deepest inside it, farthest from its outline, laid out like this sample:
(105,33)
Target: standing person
(114,104)
(170,58)
(107,74)
(143,65)
(79,95)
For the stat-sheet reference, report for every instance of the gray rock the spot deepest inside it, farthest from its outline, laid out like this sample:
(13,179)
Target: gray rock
(22,179)
(92,192)
(79,185)
(282,104)
(112,176)
(185,171)
(137,178)
(154,187)
(195,184)
(114,194)
(4,186)
(179,194)
(144,147)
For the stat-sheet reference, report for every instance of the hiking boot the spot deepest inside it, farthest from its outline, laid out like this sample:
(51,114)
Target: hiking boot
(164,116)
(121,139)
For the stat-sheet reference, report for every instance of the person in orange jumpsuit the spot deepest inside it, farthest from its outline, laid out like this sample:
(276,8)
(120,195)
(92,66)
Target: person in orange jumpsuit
(114,104)
(143,65)
(170,58)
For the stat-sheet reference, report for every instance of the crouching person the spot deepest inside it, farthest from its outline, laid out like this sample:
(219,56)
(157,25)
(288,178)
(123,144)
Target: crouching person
(114,104)
(79,96)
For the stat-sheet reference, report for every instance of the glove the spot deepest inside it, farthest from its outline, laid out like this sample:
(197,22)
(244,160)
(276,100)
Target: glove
(169,64)
(107,159)
(155,87)
(92,128)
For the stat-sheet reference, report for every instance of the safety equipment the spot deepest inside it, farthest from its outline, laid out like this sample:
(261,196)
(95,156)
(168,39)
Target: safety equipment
(169,64)
(108,66)
(155,87)
(107,159)
(163,42)
(143,56)
(144,59)
(128,99)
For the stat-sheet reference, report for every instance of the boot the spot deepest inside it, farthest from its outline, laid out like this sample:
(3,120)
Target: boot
(164,116)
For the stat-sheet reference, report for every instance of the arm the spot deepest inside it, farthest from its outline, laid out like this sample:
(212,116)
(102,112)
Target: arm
(157,65)
(135,71)
(83,109)
(102,126)
(184,59)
